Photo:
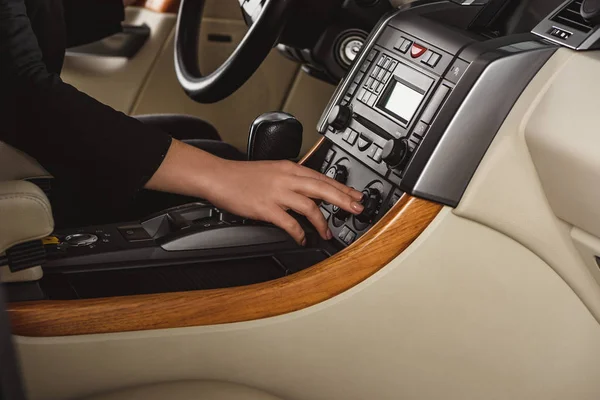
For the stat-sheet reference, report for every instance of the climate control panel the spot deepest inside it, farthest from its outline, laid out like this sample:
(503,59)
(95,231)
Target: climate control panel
(379,195)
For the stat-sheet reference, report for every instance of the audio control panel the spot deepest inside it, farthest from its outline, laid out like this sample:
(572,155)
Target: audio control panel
(418,111)
(380,116)
(392,101)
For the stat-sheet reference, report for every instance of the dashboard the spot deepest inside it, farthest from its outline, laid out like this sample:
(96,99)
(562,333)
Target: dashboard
(399,122)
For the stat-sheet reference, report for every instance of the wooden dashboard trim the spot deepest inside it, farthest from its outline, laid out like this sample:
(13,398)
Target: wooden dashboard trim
(160,6)
(392,235)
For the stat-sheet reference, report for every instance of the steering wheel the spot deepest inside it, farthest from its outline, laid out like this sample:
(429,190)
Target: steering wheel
(266,19)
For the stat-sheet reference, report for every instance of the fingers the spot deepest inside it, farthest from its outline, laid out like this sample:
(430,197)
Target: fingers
(307,207)
(289,224)
(309,173)
(318,189)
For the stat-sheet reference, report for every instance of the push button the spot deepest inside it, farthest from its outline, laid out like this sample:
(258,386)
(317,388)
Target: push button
(363,143)
(330,154)
(343,233)
(352,137)
(404,45)
(417,50)
(420,130)
(457,70)
(134,233)
(426,57)
(433,61)
(350,237)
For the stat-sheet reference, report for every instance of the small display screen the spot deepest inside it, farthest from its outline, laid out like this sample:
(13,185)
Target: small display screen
(403,101)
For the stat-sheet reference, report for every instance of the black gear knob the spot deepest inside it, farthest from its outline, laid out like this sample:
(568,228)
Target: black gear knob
(275,136)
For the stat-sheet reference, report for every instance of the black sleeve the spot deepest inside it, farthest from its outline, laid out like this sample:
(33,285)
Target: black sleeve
(91,20)
(81,142)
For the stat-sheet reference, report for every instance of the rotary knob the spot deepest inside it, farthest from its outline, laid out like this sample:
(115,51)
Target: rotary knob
(340,117)
(371,200)
(81,240)
(590,10)
(339,173)
(396,152)
(341,214)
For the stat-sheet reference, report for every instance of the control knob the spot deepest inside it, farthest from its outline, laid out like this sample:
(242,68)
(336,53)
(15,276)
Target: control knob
(396,152)
(81,240)
(371,200)
(340,214)
(590,10)
(339,173)
(340,117)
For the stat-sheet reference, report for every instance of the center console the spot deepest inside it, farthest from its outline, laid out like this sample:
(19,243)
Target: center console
(415,115)
(417,111)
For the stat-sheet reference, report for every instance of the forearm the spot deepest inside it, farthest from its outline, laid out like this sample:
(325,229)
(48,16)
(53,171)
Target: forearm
(79,140)
(188,171)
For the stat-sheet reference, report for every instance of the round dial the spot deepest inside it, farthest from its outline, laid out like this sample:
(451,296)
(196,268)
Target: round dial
(396,152)
(371,200)
(340,117)
(81,239)
(341,214)
(339,173)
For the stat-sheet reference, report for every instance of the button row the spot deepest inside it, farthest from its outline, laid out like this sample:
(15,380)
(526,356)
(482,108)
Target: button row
(328,159)
(359,76)
(350,136)
(430,58)
(375,153)
(403,45)
(376,81)
(367,97)
(347,235)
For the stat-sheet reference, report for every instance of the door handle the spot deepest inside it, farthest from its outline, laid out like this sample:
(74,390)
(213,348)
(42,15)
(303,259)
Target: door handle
(123,44)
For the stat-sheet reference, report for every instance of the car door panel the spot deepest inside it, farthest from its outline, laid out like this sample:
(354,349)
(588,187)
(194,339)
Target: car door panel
(116,81)
(265,91)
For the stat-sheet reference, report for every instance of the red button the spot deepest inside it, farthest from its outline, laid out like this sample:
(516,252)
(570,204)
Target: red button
(417,51)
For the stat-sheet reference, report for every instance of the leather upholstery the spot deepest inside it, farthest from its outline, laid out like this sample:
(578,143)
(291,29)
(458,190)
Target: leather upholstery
(15,164)
(275,136)
(190,390)
(25,214)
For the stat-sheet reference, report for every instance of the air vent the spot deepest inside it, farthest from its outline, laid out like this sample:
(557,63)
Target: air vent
(570,16)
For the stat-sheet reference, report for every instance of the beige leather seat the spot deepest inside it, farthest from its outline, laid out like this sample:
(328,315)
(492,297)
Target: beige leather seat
(189,390)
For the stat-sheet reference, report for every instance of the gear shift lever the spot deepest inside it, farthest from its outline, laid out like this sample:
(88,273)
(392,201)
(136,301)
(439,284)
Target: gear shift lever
(275,136)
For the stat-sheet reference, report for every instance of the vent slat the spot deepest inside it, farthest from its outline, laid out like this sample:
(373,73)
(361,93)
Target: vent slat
(570,16)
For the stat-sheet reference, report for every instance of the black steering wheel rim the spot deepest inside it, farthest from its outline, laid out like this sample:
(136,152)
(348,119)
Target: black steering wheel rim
(262,36)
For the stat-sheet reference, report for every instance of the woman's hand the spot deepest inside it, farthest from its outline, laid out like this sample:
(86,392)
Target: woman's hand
(266,190)
(261,190)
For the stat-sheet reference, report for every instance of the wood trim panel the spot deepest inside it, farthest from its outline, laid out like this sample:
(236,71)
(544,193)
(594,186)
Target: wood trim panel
(392,235)
(160,6)
(312,151)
